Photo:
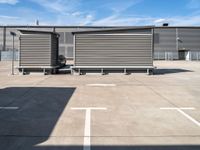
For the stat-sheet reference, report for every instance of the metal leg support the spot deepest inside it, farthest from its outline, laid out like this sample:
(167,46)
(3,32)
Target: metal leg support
(22,71)
(125,71)
(44,71)
(72,71)
(102,73)
(79,71)
(148,73)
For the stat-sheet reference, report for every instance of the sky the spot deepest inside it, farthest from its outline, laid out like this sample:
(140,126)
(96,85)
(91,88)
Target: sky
(100,12)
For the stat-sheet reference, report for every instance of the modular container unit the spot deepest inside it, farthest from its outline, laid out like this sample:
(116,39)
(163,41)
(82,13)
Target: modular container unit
(38,50)
(124,48)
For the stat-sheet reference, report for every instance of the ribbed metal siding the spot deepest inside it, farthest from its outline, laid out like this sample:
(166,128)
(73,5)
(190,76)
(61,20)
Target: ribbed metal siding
(54,50)
(165,39)
(189,39)
(35,50)
(113,50)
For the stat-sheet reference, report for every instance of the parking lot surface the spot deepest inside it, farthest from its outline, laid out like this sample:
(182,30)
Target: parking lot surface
(114,111)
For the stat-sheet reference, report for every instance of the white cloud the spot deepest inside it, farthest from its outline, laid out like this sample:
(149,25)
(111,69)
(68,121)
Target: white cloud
(185,20)
(58,6)
(116,20)
(8,17)
(69,12)
(161,20)
(76,14)
(87,20)
(65,12)
(12,2)
(118,6)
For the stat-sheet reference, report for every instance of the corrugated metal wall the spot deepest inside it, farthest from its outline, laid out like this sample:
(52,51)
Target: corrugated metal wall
(165,39)
(66,40)
(113,50)
(35,50)
(54,50)
(195,55)
(189,39)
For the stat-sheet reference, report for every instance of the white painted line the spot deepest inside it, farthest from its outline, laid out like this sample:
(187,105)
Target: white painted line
(102,85)
(175,108)
(189,117)
(87,131)
(180,110)
(12,108)
(91,108)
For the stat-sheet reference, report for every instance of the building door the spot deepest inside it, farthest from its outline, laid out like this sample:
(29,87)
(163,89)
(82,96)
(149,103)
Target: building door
(184,55)
(181,55)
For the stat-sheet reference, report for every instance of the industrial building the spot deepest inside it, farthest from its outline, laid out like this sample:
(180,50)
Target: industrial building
(177,43)
(170,43)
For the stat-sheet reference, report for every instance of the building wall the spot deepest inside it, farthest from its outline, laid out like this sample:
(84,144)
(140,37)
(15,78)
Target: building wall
(165,40)
(165,47)
(66,40)
(189,39)
(169,41)
(1,39)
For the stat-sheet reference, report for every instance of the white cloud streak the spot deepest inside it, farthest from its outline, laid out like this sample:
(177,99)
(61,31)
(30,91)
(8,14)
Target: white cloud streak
(138,20)
(8,17)
(118,6)
(11,2)
(68,12)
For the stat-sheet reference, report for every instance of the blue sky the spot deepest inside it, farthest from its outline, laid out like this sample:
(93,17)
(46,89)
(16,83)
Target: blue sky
(100,12)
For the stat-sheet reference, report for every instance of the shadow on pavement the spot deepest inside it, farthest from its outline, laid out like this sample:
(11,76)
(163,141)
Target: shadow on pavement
(169,71)
(38,112)
(124,147)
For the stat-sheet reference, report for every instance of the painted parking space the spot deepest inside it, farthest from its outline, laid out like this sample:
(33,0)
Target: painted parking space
(135,113)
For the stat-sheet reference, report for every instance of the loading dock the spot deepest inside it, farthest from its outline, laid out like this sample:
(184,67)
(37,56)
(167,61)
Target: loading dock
(123,48)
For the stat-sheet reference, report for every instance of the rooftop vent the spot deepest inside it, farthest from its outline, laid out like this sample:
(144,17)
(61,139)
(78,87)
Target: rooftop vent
(165,24)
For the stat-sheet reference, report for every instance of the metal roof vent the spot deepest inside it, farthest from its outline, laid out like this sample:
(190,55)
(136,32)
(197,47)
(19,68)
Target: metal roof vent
(165,24)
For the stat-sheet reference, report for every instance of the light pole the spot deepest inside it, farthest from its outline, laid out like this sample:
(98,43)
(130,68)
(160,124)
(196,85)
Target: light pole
(13,51)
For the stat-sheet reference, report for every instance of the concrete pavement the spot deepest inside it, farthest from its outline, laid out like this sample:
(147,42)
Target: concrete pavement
(133,118)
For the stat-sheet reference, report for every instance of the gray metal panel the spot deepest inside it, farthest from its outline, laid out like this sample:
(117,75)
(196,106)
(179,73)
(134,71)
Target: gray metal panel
(62,38)
(62,50)
(54,50)
(1,38)
(195,55)
(113,50)
(35,50)
(70,52)
(189,39)
(165,39)
(68,38)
